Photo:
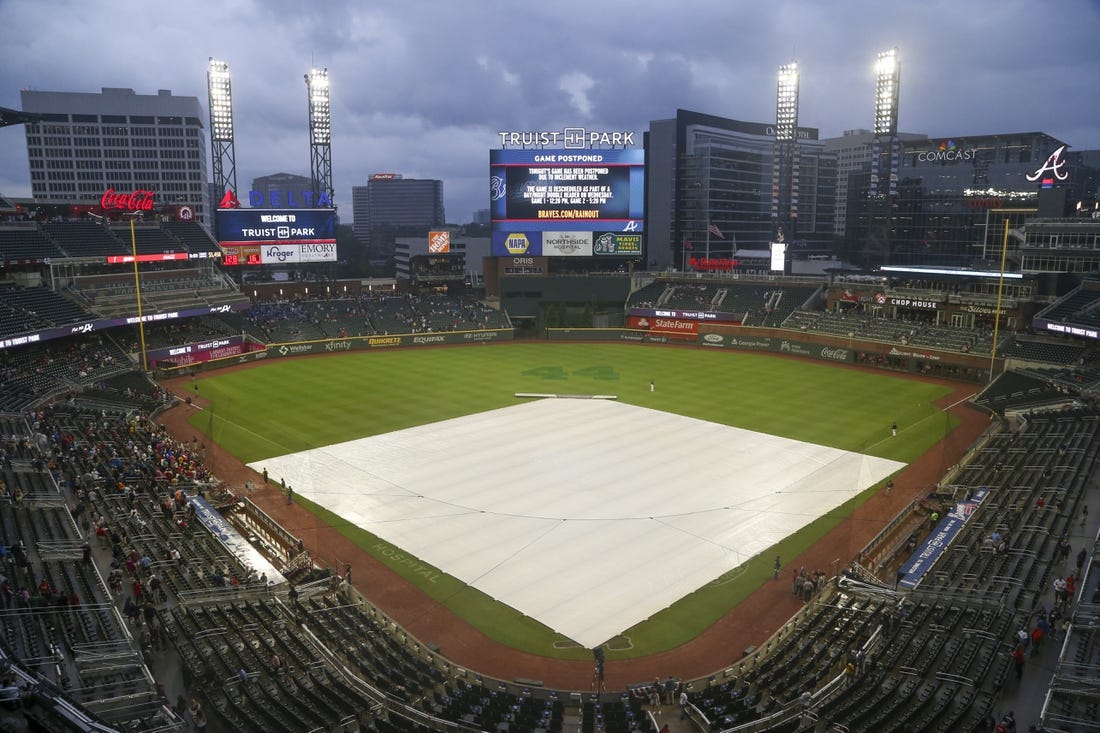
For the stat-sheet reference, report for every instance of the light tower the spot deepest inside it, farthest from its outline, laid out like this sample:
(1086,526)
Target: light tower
(785,163)
(886,147)
(221,129)
(320,134)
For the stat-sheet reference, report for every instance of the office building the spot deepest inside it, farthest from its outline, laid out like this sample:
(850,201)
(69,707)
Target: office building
(855,153)
(953,196)
(709,188)
(284,189)
(391,205)
(88,143)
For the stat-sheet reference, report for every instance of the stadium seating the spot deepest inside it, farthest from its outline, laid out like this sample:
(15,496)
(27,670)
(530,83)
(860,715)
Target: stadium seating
(1044,351)
(20,242)
(933,659)
(193,237)
(87,239)
(872,328)
(111,295)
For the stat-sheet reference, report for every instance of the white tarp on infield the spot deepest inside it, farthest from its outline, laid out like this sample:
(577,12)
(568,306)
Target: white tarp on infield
(587,515)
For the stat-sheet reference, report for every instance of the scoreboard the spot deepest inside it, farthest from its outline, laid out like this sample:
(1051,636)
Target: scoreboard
(567,202)
(276,236)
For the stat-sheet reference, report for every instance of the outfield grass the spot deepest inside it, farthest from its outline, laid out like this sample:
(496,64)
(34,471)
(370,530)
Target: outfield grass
(298,404)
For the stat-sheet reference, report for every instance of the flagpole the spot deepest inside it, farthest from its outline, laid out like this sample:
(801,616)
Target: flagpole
(708,240)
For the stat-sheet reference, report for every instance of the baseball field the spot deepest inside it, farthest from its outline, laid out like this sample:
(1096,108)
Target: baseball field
(299,404)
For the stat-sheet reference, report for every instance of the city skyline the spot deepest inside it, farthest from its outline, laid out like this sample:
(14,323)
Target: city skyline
(425,94)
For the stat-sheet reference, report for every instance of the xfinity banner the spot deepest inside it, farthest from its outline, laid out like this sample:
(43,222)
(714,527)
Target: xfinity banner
(356,343)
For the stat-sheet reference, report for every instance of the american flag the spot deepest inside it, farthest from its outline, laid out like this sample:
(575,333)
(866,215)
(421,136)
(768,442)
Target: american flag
(713,229)
(687,244)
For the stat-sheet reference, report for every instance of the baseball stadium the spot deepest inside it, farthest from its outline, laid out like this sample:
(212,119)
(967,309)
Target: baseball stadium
(552,477)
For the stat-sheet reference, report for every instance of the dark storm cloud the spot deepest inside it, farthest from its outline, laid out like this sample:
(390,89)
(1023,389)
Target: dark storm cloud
(421,88)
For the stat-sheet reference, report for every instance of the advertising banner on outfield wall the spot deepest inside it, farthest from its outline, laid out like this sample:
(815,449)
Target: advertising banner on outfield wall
(606,334)
(356,343)
(674,327)
(782,346)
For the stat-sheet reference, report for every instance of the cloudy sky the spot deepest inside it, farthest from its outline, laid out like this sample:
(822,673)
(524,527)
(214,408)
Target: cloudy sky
(422,88)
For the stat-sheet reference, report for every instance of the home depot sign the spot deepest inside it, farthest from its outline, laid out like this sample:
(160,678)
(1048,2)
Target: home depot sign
(439,243)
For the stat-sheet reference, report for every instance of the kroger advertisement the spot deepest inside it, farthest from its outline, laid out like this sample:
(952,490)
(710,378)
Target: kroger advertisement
(276,236)
(539,191)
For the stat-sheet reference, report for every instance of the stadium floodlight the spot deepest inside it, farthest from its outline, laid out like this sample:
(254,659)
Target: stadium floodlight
(320,119)
(320,132)
(222,154)
(221,100)
(887,72)
(786,105)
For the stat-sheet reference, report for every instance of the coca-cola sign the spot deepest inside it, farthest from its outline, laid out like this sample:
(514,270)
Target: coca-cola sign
(134,201)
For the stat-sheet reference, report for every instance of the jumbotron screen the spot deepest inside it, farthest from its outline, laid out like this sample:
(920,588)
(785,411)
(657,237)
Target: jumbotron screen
(567,202)
(276,236)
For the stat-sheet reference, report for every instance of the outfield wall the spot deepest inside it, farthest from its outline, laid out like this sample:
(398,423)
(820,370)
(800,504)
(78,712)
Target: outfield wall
(878,354)
(834,349)
(342,345)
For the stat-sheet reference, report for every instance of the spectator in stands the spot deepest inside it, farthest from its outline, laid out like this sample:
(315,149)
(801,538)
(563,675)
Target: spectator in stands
(1036,639)
(1059,590)
(10,695)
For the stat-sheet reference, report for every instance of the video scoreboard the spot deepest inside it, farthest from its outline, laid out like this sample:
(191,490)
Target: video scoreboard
(276,236)
(573,202)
